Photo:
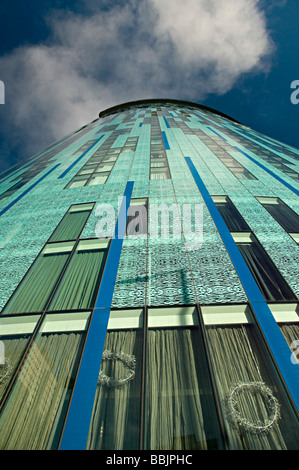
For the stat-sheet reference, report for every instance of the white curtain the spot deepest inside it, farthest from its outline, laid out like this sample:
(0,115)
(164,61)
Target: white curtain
(180,410)
(239,357)
(115,421)
(33,415)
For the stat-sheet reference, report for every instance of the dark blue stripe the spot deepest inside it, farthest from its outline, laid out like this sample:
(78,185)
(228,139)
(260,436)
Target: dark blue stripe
(78,421)
(166,122)
(79,158)
(104,299)
(269,171)
(166,144)
(216,133)
(271,331)
(27,190)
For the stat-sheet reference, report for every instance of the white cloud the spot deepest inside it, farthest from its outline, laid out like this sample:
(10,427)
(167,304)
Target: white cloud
(146,48)
(225,37)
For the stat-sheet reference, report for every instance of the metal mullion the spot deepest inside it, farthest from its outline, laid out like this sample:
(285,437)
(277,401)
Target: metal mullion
(145,330)
(143,378)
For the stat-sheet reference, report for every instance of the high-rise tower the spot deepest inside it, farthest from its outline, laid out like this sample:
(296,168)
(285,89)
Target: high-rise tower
(149,286)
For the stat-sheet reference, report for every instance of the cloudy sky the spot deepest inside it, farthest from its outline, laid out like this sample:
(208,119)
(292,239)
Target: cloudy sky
(63,61)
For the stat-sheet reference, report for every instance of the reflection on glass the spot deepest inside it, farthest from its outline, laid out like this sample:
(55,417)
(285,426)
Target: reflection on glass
(72,223)
(78,286)
(77,182)
(33,415)
(180,407)
(258,415)
(15,334)
(115,422)
(230,214)
(34,292)
(267,276)
(282,213)
(98,179)
(160,174)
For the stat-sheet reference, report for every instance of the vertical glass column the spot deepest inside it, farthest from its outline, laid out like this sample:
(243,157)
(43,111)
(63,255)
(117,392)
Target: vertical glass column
(33,414)
(16,333)
(180,411)
(258,413)
(116,416)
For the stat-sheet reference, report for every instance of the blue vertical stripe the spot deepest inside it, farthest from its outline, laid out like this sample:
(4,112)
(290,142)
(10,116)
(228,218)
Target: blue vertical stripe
(166,144)
(27,190)
(271,331)
(281,180)
(166,122)
(78,421)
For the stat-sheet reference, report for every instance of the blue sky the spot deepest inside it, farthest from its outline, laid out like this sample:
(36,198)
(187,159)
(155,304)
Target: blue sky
(64,61)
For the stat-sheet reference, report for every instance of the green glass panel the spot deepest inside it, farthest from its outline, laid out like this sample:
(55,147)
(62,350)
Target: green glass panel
(258,414)
(15,335)
(267,276)
(78,287)
(115,422)
(180,408)
(33,415)
(70,227)
(34,292)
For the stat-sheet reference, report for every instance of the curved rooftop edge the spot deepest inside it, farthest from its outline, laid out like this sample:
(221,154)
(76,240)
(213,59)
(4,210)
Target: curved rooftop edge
(139,103)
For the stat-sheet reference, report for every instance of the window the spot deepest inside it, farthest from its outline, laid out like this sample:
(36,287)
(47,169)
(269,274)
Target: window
(104,168)
(84,147)
(160,173)
(67,272)
(99,178)
(65,275)
(137,224)
(72,223)
(270,281)
(243,369)
(180,408)
(116,418)
(96,170)
(15,334)
(77,182)
(235,167)
(156,163)
(159,169)
(34,412)
(230,214)
(283,214)
(79,284)
(34,292)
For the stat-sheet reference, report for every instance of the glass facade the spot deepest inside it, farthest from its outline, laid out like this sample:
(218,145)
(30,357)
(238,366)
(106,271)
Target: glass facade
(149,287)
